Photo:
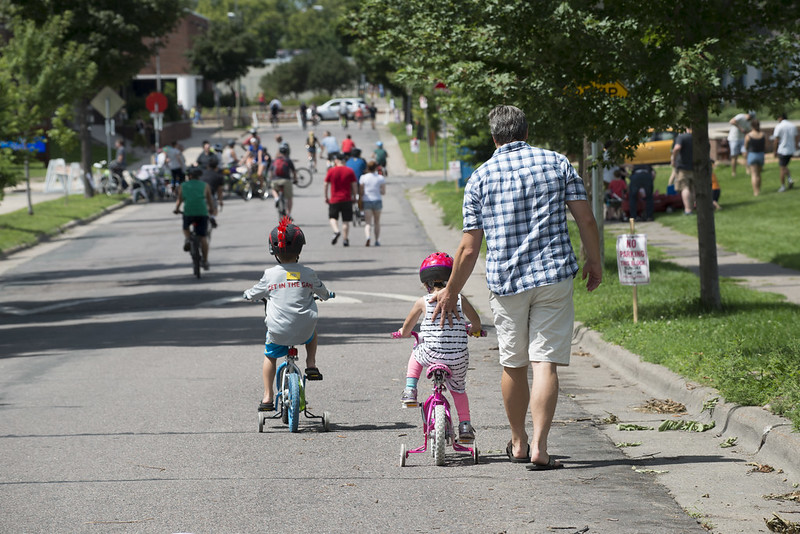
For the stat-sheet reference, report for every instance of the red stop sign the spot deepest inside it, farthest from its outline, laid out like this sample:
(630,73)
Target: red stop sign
(156,99)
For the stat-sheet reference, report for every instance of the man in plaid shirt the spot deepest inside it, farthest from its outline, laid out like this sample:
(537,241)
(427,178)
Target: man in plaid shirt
(518,200)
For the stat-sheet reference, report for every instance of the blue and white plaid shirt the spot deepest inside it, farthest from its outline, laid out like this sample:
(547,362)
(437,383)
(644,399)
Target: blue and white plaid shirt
(518,198)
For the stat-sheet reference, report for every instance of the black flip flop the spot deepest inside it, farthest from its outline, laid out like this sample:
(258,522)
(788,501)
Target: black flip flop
(266,407)
(312,373)
(514,459)
(551,464)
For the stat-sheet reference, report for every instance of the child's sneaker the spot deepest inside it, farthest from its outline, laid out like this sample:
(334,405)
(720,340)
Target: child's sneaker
(409,397)
(466,434)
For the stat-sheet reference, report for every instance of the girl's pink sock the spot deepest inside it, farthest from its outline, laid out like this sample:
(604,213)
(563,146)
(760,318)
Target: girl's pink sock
(414,368)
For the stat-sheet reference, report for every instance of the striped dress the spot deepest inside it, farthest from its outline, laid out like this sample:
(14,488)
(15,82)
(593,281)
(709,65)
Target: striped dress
(447,345)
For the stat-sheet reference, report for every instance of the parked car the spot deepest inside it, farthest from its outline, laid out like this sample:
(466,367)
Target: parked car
(654,149)
(330,110)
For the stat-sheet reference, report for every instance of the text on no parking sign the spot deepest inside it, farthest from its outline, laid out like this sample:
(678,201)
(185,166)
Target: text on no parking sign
(632,261)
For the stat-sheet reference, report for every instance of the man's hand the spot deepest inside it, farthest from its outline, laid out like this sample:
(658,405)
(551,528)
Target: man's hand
(446,305)
(594,272)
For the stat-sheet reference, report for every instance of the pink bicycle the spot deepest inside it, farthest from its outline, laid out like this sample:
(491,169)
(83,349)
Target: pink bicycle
(437,424)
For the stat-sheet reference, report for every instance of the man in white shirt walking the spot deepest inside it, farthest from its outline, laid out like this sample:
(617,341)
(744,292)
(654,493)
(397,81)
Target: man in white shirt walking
(786,136)
(740,125)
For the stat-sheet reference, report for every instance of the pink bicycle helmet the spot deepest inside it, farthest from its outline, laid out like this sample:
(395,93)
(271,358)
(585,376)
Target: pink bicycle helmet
(436,266)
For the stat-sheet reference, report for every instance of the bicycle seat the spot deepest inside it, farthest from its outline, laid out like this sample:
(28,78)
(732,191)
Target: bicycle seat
(439,367)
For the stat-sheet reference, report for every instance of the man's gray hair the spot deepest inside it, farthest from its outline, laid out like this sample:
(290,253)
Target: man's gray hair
(508,124)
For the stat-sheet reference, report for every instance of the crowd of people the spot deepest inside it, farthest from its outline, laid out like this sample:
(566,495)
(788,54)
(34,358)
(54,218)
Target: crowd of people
(635,198)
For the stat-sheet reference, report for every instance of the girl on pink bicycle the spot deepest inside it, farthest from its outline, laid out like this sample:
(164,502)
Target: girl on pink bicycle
(441,345)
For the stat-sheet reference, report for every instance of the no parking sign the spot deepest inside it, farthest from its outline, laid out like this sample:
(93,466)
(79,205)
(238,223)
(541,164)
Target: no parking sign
(632,261)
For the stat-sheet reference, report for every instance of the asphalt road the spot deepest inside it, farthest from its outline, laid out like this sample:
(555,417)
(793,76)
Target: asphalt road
(128,395)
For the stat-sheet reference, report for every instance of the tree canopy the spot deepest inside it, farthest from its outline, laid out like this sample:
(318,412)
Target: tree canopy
(40,73)
(224,53)
(552,58)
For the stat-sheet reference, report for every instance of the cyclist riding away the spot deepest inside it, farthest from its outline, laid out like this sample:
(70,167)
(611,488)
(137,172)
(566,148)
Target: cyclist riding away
(198,205)
(282,175)
(291,319)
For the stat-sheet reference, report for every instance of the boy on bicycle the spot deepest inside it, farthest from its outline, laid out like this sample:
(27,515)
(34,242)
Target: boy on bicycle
(445,344)
(289,289)
(199,204)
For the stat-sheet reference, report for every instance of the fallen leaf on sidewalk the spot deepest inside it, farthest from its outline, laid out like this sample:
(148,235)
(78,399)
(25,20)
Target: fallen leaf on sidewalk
(688,426)
(631,426)
(650,471)
(760,468)
(610,420)
(780,525)
(730,442)
(793,496)
(624,444)
(661,406)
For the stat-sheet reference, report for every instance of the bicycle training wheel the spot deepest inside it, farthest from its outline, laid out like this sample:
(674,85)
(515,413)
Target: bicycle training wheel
(293,401)
(304,177)
(439,430)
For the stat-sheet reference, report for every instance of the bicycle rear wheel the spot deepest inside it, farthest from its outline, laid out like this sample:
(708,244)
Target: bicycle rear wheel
(304,177)
(439,429)
(294,401)
(195,251)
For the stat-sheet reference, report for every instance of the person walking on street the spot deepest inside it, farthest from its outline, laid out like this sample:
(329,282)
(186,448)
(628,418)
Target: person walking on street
(755,143)
(786,136)
(371,188)
(518,200)
(740,126)
(684,171)
(340,193)
(330,146)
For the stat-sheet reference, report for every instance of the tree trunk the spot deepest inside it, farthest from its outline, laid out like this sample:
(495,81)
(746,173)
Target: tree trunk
(706,231)
(86,146)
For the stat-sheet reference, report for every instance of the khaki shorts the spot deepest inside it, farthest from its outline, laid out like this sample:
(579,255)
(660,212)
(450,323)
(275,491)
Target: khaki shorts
(684,179)
(287,186)
(535,326)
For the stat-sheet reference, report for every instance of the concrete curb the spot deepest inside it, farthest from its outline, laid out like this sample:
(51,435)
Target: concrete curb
(65,227)
(759,432)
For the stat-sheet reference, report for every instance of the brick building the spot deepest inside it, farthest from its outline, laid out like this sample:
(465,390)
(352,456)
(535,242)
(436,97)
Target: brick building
(171,64)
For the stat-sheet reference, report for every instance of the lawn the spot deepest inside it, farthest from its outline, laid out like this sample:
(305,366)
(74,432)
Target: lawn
(419,161)
(746,350)
(19,228)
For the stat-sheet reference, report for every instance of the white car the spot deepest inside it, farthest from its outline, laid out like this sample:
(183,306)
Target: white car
(330,109)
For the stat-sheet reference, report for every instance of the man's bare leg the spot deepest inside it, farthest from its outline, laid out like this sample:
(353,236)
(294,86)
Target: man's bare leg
(544,397)
(516,397)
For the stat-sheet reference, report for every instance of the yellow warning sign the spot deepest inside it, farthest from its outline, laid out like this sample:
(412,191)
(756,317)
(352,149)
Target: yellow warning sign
(610,88)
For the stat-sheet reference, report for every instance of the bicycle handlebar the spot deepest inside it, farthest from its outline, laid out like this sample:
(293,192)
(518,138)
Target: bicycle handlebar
(398,334)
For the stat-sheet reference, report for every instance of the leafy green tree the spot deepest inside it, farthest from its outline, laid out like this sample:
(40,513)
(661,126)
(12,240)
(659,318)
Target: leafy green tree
(40,73)
(289,78)
(121,36)
(224,54)
(263,20)
(553,58)
(330,71)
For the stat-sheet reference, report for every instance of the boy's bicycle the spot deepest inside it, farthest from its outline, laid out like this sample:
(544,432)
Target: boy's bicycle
(437,424)
(290,397)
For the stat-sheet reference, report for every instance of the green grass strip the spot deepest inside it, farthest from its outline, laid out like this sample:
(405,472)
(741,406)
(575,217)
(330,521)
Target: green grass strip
(19,228)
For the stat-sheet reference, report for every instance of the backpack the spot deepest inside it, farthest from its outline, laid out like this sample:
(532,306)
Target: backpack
(281,167)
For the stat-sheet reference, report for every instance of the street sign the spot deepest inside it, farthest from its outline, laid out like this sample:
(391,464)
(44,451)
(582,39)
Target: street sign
(107,102)
(610,88)
(632,261)
(156,102)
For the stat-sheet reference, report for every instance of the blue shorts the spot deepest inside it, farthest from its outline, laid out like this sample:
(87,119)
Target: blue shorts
(373,205)
(275,351)
(755,158)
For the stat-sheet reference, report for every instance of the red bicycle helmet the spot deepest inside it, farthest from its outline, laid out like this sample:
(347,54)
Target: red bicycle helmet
(436,266)
(286,238)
